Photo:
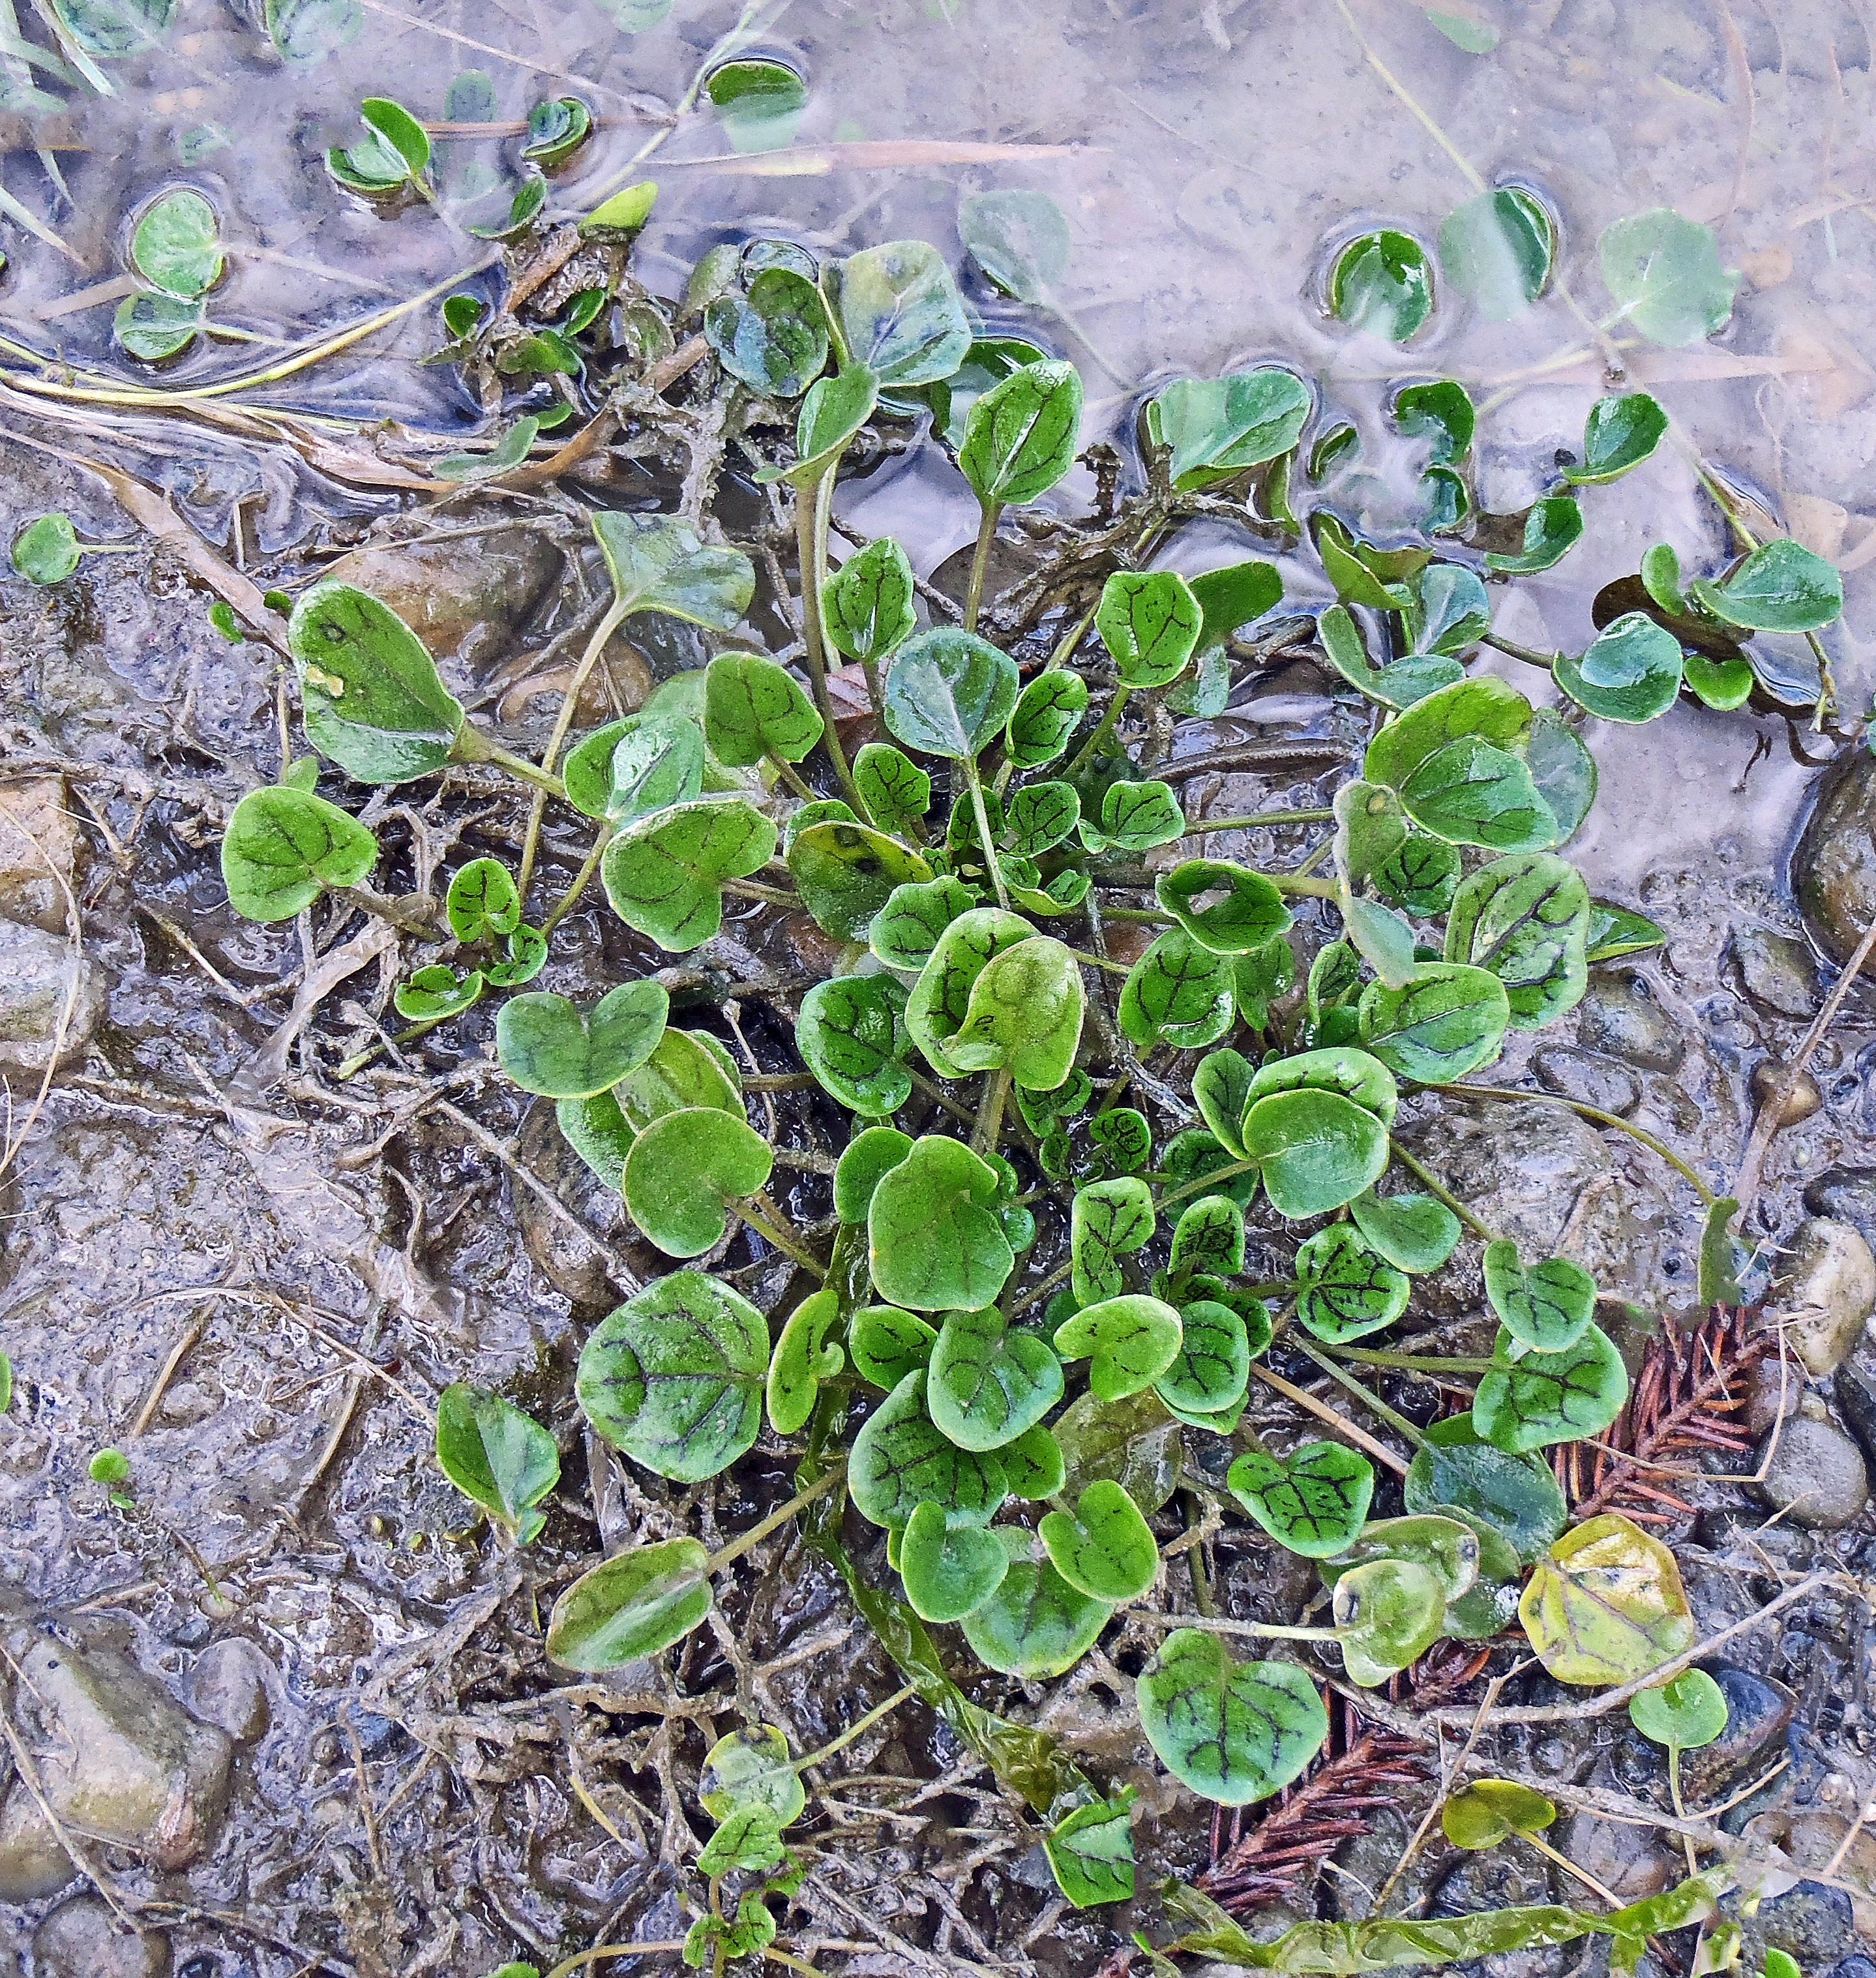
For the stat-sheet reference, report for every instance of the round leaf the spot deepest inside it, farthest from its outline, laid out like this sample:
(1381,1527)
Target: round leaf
(901,1459)
(1020,437)
(546,1045)
(630,1607)
(1622,431)
(886,1344)
(1179,992)
(1316,1150)
(436,992)
(856,1175)
(1782,587)
(897,792)
(663,874)
(1605,1604)
(987,1385)
(1106,1220)
(905,933)
(284,847)
(1044,718)
(851,1036)
(1548,1307)
(1223,906)
(1035,1624)
(940,1001)
(948,691)
(1547,1397)
(1149,621)
(753,709)
(1129,1342)
(846,874)
(176,247)
(1382,283)
(483,900)
(751,1771)
(867,607)
(1233,1731)
(1388,1613)
(1212,1367)
(497,1457)
(1344,1290)
(683,1168)
(47,551)
(1688,1712)
(1487,1811)
(1552,527)
(1449,1019)
(1313,1503)
(155,327)
(1414,1232)
(1448,1547)
(1218,427)
(1018,238)
(901,314)
(775,339)
(1105,1549)
(630,768)
(948,1571)
(1630,672)
(1497,249)
(659,563)
(1456,1473)
(935,1242)
(1024,1015)
(1665,274)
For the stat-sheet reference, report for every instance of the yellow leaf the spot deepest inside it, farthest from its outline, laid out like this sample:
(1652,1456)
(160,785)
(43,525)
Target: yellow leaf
(1605,1604)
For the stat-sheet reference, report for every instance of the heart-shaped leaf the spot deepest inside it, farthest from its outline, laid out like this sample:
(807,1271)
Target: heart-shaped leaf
(1552,527)
(1313,1503)
(1547,1397)
(664,874)
(905,933)
(681,1170)
(1221,1090)
(436,992)
(751,1771)
(901,313)
(483,900)
(1547,1307)
(1485,1812)
(1621,431)
(1449,1019)
(805,1355)
(1091,1851)
(47,551)
(1033,1465)
(1414,1232)
(1631,673)
(1044,718)
(1149,621)
(1338,1068)
(284,847)
(1218,427)
(948,691)
(1497,248)
(1383,283)
(866,608)
(497,1457)
(630,1607)
(774,339)
(1259,978)
(1224,907)
(886,1344)
(935,1241)
(901,1460)
(940,1002)
(1449,613)
(1128,1341)
(546,1045)
(1481,706)
(1473,792)
(1456,1473)
(1035,1624)
(1107,1220)
(176,245)
(1441,413)
(851,1035)
(1135,817)
(1232,1731)
(1317,1149)
(1684,1714)
(1021,437)
(753,709)
(1782,587)
(1179,992)
(1720,684)
(1104,1548)
(1024,1015)
(846,874)
(674,1377)
(987,1384)
(948,1571)
(1210,1236)
(1211,1369)
(1039,817)
(1344,1290)
(599,1134)
(869,1154)
(370,695)
(634,767)
(749,1839)
(1388,1613)
(659,563)
(1665,274)
(1605,1604)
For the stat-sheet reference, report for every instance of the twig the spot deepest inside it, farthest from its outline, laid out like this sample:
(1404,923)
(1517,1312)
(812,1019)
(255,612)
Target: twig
(1379,1450)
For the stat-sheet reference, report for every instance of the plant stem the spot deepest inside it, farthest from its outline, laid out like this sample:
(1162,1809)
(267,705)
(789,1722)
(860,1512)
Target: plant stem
(1570,1867)
(753,1537)
(581,880)
(855,1729)
(665,1946)
(990,1111)
(983,832)
(1647,1140)
(1206,1184)
(791,776)
(472,746)
(980,563)
(1089,748)
(1323,1412)
(1064,651)
(1546,660)
(1412,1363)
(1680,1812)
(810,551)
(1216,1625)
(750,889)
(782,1241)
(1100,961)
(1398,1423)
(1432,1182)
(1257,819)
(1147,915)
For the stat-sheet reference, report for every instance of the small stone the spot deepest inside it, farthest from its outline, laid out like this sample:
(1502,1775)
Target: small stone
(1824,1292)
(81,1939)
(1834,873)
(1588,1078)
(1628,1864)
(1854,1390)
(229,1686)
(1816,1475)
(1778,973)
(464,595)
(1620,1017)
(1858,1966)
(32,1862)
(1811,1923)
(40,977)
(1801,1101)
(1849,1194)
(1757,1712)
(38,837)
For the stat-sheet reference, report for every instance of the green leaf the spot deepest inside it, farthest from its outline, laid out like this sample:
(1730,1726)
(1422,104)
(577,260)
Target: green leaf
(1024,1015)
(1721,1261)
(1337,1068)
(1547,1397)
(774,339)
(47,551)
(1384,941)
(284,847)
(832,411)
(1383,283)
(1665,276)
(635,768)
(1548,1307)
(1449,1548)
(631,1606)
(1035,1624)
(1234,596)
(949,1571)
(1177,993)
(663,873)
(1232,1731)
(1135,817)
(376,166)
(1686,1713)
(545,354)
(1211,1369)
(805,1355)
(1720,684)
(1388,1613)
(1414,1232)
(1344,1290)
(623,214)
(901,313)
(1398,686)
(1614,931)
(751,1771)
(901,1459)
(308,30)
(1039,816)
(658,563)
(681,1170)
(1449,614)
(1314,1503)
(1605,1604)
(1224,907)
(940,1004)
(598,1132)
(1441,413)
(988,1384)
(483,900)
(1456,1473)
(851,1035)
(1129,1341)
(1782,587)
(867,611)
(1485,1812)
(1317,1149)
(177,244)
(1092,1852)
(1482,707)
(674,1376)
(1107,1219)
(1563,771)
(1018,238)
(760,102)
(1044,718)
(1498,248)
(893,789)
(1218,427)
(846,874)
(547,1046)
(1123,1138)
(1473,792)
(713,1936)
(906,932)
(1021,437)
(748,1839)
(1421,876)
(371,696)
(886,1344)
(868,1155)
(1622,431)
(509,451)
(399,129)
(556,130)
(1033,1465)
(948,691)
(1221,1090)
(1105,1548)
(1210,1237)
(1630,672)
(1552,527)
(1525,920)
(753,709)
(1149,621)
(688,1068)
(936,1244)
(436,992)
(497,1457)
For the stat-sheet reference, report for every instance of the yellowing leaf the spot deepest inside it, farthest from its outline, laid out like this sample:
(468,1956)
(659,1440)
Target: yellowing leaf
(1605,1604)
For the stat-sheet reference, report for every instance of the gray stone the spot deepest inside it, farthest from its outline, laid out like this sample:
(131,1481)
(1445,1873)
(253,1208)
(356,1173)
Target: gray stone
(1824,1292)
(1849,1194)
(1779,972)
(1757,1712)
(81,1939)
(1816,1475)
(1620,1017)
(464,595)
(1626,1862)
(43,984)
(32,1862)
(1834,873)
(1853,1390)
(230,1686)
(119,1759)
(1812,1922)
(1587,1078)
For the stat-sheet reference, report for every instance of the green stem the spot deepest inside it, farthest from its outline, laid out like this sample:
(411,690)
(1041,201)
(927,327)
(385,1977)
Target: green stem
(980,563)
(1373,1403)
(1257,819)
(1091,746)
(472,746)
(1647,1140)
(1206,1184)
(1434,1186)
(989,1125)
(750,889)
(788,774)
(581,880)
(780,1239)
(1530,658)
(984,838)
(1413,1363)
(856,1727)
(1100,961)
(810,549)
(1148,916)
(1680,1811)
(753,1537)
(1064,651)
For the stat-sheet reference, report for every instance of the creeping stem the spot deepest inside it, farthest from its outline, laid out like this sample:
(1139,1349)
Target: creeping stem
(980,563)
(810,547)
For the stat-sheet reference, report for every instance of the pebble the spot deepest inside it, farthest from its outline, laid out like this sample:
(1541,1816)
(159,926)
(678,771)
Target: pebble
(37,973)
(1801,1101)
(1620,1016)
(1824,1292)
(1813,1923)
(229,1686)
(1849,1194)
(1778,973)
(1834,873)
(44,809)
(1757,1712)
(463,596)
(1628,1863)
(1588,1078)
(81,1939)
(1816,1475)
(1854,1390)
(32,1862)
